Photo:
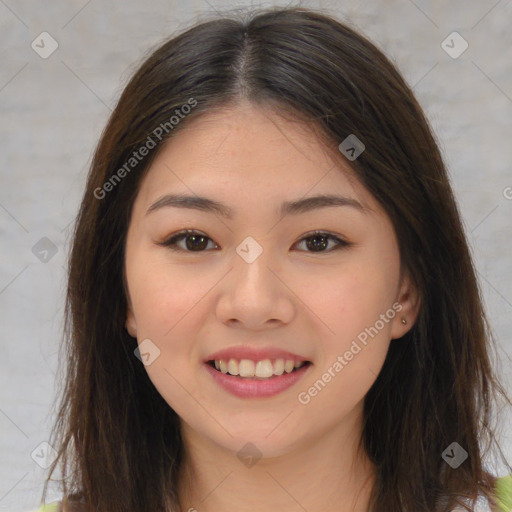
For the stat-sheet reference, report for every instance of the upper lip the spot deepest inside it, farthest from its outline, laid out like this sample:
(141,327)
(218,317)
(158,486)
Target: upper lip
(254,354)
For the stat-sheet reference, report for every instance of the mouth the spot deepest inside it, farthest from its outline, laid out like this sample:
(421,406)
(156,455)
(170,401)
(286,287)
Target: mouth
(263,369)
(257,378)
(255,372)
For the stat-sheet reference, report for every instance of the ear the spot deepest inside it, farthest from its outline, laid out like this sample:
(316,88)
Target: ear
(409,300)
(131,323)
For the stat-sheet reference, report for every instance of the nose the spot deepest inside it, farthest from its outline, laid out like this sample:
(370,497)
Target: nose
(254,295)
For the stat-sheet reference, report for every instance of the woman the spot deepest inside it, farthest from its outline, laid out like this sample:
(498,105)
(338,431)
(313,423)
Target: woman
(271,300)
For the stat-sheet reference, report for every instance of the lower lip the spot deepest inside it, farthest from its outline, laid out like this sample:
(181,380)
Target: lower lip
(252,388)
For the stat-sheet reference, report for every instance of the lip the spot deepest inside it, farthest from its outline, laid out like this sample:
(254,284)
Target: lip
(253,354)
(254,388)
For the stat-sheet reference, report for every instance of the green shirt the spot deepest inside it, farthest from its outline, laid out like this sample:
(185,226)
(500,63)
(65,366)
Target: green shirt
(503,493)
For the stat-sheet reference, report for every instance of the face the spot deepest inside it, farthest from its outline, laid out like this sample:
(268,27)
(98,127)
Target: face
(252,287)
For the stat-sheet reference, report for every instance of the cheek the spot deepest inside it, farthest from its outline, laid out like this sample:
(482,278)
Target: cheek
(162,296)
(357,300)
(167,303)
(351,355)
(359,314)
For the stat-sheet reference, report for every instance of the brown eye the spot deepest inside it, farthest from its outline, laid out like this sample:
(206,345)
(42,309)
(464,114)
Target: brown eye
(319,241)
(194,241)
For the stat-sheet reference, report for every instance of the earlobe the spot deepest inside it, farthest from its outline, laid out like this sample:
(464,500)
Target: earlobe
(131,324)
(409,300)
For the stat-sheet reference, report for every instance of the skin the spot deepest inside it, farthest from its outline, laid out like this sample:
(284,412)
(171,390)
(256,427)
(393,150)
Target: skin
(314,304)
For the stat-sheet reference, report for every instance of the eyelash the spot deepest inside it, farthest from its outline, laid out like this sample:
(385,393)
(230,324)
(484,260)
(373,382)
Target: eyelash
(171,242)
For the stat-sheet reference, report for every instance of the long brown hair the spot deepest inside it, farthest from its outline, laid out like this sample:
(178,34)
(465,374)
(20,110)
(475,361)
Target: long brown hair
(118,441)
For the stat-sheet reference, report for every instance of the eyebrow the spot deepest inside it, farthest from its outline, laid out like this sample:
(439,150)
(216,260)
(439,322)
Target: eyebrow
(298,206)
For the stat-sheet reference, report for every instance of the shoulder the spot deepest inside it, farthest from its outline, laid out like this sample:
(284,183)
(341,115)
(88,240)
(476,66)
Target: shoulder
(57,506)
(503,488)
(504,493)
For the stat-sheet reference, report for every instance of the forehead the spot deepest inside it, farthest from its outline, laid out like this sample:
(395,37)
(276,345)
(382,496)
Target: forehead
(248,152)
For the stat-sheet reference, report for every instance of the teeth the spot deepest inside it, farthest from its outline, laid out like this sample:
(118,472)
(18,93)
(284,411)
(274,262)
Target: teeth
(263,369)
(279,367)
(246,368)
(289,366)
(233,367)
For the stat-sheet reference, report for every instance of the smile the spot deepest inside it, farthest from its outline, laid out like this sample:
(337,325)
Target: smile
(247,372)
(262,369)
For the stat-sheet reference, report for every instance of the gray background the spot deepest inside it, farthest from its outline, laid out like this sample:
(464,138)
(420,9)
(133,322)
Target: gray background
(53,111)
